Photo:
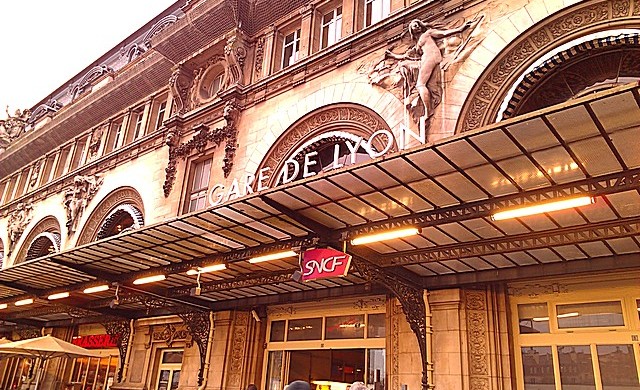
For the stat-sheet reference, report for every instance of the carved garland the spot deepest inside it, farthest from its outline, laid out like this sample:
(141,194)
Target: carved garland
(203,135)
(168,334)
(198,325)
(413,305)
(119,331)
(477,330)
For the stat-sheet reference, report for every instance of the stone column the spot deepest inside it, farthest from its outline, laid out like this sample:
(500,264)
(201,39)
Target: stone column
(306,31)
(448,338)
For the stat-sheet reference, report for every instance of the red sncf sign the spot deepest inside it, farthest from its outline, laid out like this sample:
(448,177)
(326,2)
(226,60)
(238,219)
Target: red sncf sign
(324,263)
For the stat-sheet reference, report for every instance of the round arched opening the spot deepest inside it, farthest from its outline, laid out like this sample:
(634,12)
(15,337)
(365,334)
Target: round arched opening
(42,245)
(121,219)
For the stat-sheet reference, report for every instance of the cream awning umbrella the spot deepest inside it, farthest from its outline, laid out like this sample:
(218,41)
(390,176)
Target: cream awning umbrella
(46,347)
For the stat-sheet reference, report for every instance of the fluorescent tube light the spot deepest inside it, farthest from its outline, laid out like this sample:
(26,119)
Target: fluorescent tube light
(272,256)
(3,306)
(540,319)
(91,290)
(150,279)
(58,296)
(209,268)
(566,315)
(543,208)
(24,302)
(385,236)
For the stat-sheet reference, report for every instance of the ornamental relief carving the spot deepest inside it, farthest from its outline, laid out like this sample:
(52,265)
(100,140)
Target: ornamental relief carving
(620,8)
(477,336)
(238,349)
(78,196)
(535,290)
(18,221)
(168,334)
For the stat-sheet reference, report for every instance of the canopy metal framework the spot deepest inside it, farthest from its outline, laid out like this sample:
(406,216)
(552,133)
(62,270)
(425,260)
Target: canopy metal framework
(449,189)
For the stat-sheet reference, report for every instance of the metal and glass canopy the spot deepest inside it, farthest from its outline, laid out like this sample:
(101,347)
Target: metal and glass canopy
(448,189)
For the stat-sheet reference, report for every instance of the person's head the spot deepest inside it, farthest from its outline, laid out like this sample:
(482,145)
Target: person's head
(252,387)
(417,27)
(299,385)
(358,386)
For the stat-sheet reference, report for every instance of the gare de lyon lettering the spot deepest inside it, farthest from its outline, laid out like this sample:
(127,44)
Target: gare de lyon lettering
(291,168)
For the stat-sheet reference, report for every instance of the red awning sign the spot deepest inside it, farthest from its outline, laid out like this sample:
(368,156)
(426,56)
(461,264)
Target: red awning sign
(324,263)
(95,341)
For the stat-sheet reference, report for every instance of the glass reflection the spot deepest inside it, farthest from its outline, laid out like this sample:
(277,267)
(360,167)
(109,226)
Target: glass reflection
(576,368)
(537,366)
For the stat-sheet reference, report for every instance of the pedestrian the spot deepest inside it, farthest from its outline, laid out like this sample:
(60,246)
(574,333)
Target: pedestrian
(299,385)
(358,386)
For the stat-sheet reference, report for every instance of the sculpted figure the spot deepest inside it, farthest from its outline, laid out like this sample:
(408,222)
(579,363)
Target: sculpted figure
(13,127)
(18,221)
(77,197)
(418,63)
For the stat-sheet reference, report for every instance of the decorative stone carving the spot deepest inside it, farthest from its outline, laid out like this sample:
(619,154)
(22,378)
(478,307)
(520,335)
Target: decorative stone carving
(534,290)
(28,333)
(35,173)
(78,196)
(88,79)
(13,127)
(157,28)
(180,83)
(259,56)
(18,221)
(120,331)
(50,107)
(477,333)
(203,135)
(96,140)
(168,334)
(235,54)
(418,68)
(238,350)
(198,325)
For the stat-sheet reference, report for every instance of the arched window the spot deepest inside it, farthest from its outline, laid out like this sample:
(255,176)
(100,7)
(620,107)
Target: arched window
(212,82)
(586,65)
(120,211)
(121,219)
(337,135)
(43,244)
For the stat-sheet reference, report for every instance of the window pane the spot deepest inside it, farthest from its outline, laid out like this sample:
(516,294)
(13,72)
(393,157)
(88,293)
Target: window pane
(175,380)
(274,371)
(376,369)
(277,331)
(163,381)
(638,307)
(537,366)
(345,327)
(533,318)
(590,315)
(576,368)
(617,367)
(172,357)
(334,369)
(376,326)
(305,329)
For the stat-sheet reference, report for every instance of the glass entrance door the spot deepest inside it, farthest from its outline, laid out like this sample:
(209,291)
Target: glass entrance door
(169,370)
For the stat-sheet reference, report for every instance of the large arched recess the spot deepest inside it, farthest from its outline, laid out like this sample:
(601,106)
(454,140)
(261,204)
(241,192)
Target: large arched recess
(39,241)
(113,206)
(306,134)
(504,72)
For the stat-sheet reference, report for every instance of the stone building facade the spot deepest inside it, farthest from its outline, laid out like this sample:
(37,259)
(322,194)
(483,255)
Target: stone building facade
(222,131)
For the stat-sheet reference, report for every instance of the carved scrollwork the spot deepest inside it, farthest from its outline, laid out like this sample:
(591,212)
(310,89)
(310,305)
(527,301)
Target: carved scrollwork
(203,135)
(120,331)
(168,334)
(259,56)
(50,107)
(198,324)
(18,221)
(413,305)
(180,83)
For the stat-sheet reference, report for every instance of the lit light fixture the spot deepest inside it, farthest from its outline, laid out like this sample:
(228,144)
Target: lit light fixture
(58,296)
(385,236)
(150,279)
(567,315)
(24,302)
(272,256)
(540,319)
(91,290)
(210,268)
(543,208)
(3,306)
